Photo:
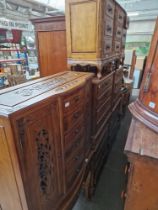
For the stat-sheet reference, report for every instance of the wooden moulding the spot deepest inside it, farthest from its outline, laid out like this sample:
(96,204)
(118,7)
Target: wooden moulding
(147,117)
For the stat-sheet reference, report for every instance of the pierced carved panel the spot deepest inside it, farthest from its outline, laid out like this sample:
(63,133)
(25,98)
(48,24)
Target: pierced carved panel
(45,163)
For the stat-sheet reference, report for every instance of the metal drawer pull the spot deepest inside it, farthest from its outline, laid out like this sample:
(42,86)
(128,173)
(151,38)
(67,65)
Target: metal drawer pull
(109,9)
(109,29)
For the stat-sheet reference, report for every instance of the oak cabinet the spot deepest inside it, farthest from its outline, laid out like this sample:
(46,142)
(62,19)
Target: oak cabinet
(51,44)
(43,141)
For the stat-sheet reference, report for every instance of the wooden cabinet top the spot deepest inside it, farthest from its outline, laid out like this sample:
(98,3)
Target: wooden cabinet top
(142,141)
(56,23)
(23,96)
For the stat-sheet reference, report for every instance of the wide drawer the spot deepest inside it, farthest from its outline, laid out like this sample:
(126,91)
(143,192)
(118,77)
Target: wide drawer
(73,100)
(71,120)
(108,30)
(73,168)
(104,85)
(106,94)
(107,46)
(73,138)
(102,111)
(110,8)
(117,46)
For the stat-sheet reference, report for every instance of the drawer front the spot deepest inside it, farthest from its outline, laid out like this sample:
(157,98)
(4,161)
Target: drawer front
(106,94)
(117,46)
(108,30)
(75,135)
(71,102)
(110,8)
(118,33)
(73,168)
(71,120)
(107,46)
(102,111)
(120,16)
(104,118)
(104,85)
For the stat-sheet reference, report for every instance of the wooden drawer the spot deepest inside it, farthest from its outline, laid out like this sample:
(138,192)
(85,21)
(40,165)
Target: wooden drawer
(120,16)
(71,120)
(107,46)
(104,85)
(110,8)
(118,33)
(117,46)
(106,94)
(73,168)
(73,100)
(108,30)
(75,135)
(102,111)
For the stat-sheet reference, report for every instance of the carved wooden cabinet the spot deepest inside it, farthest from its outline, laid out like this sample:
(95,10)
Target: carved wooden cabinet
(44,143)
(95,35)
(142,141)
(51,44)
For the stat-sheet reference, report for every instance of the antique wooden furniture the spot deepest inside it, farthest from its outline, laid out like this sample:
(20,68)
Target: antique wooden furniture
(141,146)
(96,35)
(51,44)
(44,141)
(106,109)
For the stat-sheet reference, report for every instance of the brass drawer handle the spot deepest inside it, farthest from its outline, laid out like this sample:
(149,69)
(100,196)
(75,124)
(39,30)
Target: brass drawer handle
(119,32)
(109,29)
(107,47)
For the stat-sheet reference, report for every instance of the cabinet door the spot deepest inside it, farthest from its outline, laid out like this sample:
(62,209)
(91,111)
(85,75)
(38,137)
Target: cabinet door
(8,186)
(39,150)
(52,52)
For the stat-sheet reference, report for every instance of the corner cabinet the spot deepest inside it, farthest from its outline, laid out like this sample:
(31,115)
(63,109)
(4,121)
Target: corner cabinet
(43,142)
(51,44)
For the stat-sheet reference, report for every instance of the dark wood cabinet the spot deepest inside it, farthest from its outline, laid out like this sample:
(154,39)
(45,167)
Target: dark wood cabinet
(46,146)
(51,44)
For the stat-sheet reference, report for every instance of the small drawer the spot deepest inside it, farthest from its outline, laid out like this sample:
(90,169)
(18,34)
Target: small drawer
(120,16)
(118,34)
(110,8)
(108,31)
(107,46)
(71,120)
(104,85)
(73,100)
(74,135)
(117,46)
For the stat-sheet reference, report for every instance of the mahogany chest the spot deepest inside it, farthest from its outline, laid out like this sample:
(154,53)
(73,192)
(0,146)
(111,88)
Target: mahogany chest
(44,129)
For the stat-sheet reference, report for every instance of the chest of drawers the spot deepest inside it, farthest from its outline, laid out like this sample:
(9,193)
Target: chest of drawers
(94,35)
(43,136)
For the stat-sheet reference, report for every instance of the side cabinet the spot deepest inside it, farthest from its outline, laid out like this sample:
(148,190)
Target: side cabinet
(39,148)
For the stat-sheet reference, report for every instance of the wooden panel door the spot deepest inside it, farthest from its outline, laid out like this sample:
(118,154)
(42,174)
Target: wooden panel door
(9,196)
(52,52)
(40,158)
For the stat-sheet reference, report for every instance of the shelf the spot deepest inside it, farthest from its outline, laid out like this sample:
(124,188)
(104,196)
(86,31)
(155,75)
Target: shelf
(9,50)
(12,60)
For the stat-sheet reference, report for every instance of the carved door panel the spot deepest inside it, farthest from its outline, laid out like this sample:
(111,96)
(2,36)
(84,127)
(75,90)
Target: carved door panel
(38,134)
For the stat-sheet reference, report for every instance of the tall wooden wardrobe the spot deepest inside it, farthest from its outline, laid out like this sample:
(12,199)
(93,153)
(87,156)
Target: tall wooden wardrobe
(51,44)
